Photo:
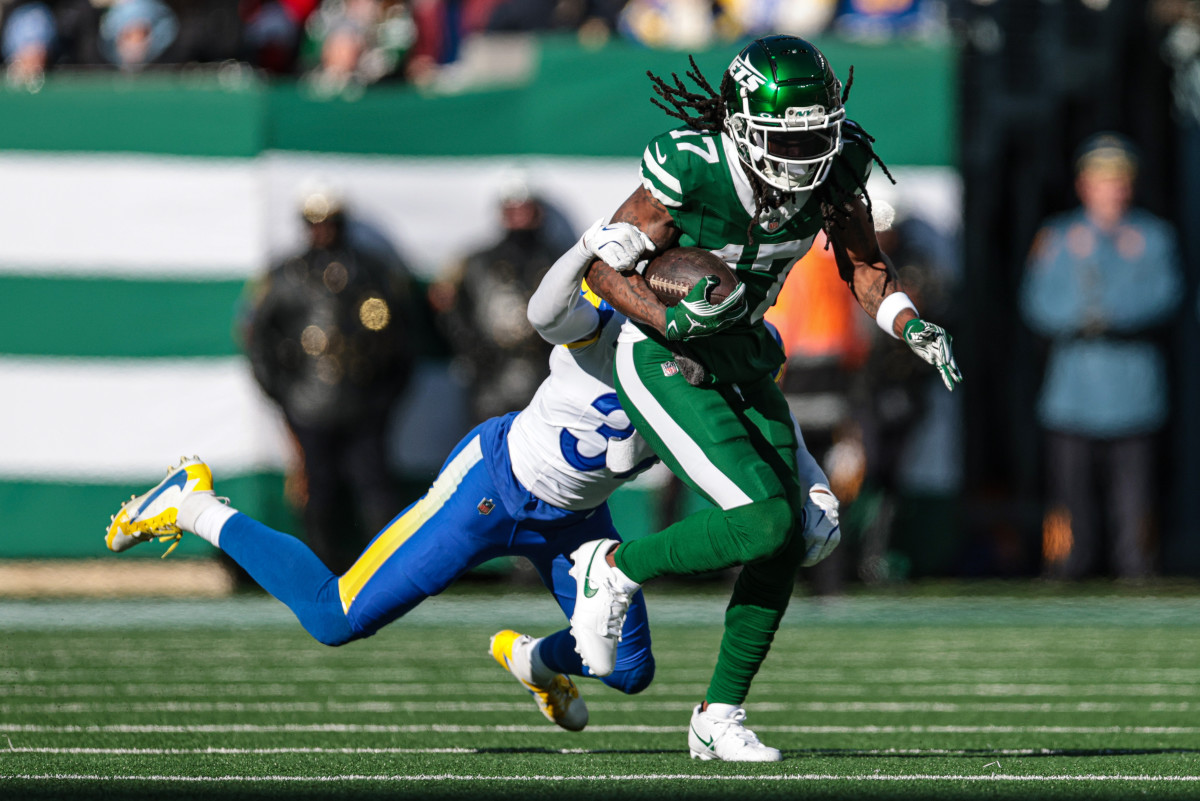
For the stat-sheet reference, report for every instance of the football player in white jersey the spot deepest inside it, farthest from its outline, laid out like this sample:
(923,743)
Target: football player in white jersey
(532,483)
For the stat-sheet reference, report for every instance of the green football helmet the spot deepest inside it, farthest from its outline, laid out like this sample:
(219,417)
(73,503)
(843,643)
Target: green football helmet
(784,112)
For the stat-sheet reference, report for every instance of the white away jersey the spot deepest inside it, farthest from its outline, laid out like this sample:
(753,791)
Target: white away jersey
(573,445)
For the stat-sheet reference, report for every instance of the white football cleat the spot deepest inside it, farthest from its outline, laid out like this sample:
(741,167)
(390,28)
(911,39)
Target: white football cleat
(558,698)
(154,515)
(718,733)
(602,596)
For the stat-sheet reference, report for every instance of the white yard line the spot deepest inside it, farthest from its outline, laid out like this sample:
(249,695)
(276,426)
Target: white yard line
(181,688)
(476,707)
(225,751)
(447,777)
(394,728)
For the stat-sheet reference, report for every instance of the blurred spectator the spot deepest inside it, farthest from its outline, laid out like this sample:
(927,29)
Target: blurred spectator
(135,33)
(593,18)
(329,340)
(668,24)
(498,354)
(209,32)
(1101,280)
(78,32)
(27,44)
(744,19)
(359,42)
(272,31)
(871,20)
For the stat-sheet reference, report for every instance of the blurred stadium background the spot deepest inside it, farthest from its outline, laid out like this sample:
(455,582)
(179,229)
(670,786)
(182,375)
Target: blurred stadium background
(137,204)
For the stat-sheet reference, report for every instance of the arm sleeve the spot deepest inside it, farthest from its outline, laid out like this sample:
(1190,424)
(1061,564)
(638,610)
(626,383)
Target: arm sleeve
(806,464)
(557,309)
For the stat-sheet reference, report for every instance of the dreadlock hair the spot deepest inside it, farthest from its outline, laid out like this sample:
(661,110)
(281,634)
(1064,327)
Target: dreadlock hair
(704,111)
(837,201)
(709,110)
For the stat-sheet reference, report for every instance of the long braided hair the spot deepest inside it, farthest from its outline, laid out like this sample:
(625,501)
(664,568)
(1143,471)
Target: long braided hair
(705,111)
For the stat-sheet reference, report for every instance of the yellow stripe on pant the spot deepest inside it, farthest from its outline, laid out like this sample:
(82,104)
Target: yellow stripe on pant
(395,535)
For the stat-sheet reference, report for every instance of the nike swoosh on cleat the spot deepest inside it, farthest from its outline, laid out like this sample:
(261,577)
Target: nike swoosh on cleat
(590,589)
(180,480)
(708,742)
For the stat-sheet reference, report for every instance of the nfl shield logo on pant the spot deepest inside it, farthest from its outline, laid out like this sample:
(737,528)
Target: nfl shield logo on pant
(670,368)
(486,506)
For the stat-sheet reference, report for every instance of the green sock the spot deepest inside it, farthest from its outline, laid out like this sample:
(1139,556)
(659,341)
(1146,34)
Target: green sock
(749,631)
(760,598)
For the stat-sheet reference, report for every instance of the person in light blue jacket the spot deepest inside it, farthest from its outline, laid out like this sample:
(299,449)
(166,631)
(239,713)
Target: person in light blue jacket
(1102,282)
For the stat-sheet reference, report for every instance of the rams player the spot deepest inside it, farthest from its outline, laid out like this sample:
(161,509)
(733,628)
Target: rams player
(532,483)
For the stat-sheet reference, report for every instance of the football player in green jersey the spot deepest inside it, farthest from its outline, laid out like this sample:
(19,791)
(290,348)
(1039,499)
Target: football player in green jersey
(759,167)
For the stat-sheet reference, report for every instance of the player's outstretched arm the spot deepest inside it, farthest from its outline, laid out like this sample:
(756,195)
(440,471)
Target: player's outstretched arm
(875,284)
(557,310)
(626,291)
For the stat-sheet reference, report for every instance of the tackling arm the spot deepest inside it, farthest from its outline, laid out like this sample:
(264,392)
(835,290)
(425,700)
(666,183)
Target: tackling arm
(627,291)
(557,309)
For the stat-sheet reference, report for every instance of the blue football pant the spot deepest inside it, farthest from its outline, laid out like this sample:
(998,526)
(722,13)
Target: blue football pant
(420,553)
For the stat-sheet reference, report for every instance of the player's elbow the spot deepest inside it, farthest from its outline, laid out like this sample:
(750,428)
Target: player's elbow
(543,316)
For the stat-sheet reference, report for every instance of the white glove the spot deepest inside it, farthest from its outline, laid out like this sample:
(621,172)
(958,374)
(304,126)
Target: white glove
(620,245)
(821,531)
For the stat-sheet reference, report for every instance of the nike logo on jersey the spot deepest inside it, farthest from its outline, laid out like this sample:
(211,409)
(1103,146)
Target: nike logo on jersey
(658,154)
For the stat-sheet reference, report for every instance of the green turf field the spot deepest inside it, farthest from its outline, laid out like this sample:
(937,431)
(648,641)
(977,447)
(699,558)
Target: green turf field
(876,697)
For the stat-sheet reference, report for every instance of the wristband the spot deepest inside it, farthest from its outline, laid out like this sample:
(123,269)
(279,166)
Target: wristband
(891,307)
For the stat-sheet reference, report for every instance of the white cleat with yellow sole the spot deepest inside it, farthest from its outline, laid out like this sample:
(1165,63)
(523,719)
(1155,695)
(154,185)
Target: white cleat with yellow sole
(557,697)
(154,515)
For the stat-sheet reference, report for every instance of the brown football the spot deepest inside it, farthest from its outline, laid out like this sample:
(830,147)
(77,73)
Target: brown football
(673,274)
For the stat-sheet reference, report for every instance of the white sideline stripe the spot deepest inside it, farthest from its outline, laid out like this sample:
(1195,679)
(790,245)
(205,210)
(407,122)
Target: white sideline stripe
(213,407)
(351,751)
(133,216)
(662,689)
(392,707)
(548,728)
(690,455)
(450,777)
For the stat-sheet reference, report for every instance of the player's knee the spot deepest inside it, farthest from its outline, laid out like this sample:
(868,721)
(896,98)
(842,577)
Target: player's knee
(334,631)
(634,679)
(764,528)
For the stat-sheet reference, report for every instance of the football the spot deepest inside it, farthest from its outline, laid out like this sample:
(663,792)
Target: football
(673,274)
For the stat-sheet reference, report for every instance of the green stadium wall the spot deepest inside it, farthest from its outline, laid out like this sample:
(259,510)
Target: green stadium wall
(134,212)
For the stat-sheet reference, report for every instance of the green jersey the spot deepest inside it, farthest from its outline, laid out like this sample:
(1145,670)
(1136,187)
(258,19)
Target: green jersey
(698,177)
